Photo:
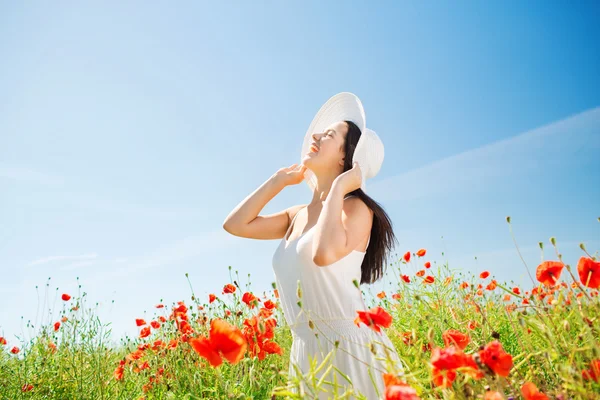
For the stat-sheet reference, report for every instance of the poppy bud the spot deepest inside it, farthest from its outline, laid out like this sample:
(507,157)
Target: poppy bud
(299,303)
(430,335)
(355,282)
(336,343)
(495,335)
(553,241)
(508,219)
(311,325)
(373,350)
(582,246)
(299,290)
(541,245)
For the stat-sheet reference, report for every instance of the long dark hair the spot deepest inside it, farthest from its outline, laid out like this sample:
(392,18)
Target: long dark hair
(382,234)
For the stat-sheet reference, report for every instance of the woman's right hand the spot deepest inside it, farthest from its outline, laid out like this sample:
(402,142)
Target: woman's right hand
(292,175)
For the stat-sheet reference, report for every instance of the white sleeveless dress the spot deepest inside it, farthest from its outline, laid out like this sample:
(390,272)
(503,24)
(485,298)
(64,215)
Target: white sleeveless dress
(330,300)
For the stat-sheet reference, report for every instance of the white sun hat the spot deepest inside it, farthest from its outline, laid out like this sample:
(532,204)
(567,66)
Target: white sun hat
(369,149)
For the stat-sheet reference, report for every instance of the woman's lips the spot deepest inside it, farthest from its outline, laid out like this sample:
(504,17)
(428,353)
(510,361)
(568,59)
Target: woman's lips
(314,148)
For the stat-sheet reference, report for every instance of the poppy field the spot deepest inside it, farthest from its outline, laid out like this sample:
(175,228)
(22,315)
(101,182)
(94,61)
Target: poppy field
(460,335)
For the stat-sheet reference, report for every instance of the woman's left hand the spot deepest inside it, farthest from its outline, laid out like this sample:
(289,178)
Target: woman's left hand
(350,180)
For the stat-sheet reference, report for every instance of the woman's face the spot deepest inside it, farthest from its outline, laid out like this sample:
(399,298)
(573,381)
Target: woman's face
(328,154)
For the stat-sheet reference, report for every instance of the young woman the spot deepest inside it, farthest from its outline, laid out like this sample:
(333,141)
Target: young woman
(329,247)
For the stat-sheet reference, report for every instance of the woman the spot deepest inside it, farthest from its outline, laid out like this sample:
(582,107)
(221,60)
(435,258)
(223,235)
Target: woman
(326,251)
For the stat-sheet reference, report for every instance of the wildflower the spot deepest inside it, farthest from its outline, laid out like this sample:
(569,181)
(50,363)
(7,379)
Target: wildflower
(229,288)
(405,278)
(56,325)
(249,299)
(65,297)
(548,272)
(224,340)
(484,274)
(516,290)
(211,297)
(593,372)
(429,279)
(118,374)
(421,252)
(2,341)
(427,264)
(589,272)
(531,392)
(160,306)
(15,350)
(140,322)
(374,318)
(155,324)
(396,389)
(406,256)
(496,358)
(457,338)
(420,273)
(145,332)
(26,387)
(472,325)
(381,294)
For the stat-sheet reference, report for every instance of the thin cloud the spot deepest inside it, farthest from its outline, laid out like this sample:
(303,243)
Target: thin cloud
(50,259)
(26,174)
(76,265)
(566,141)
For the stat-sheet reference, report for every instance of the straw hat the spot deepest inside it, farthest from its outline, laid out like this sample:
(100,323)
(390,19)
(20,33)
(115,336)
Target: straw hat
(369,149)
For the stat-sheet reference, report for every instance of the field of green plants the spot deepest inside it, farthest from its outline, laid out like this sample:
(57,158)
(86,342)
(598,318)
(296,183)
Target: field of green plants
(464,337)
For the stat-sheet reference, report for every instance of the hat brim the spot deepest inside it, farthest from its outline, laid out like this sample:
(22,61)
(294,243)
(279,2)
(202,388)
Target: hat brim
(340,107)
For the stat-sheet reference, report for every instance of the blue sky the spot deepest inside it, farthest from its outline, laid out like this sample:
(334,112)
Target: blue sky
(128,132)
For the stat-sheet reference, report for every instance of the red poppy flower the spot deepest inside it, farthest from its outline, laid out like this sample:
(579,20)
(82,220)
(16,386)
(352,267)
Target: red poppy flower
(472,325)
(249,299)
(427,264)
(407,256)
(531,392)
(118,374)
(484,274)
(66,297)
(457,338)
(396,389)
(26,387)
(420,273)
(496,358)
(15,350)
(140,322)
(160,306)
(229,288)
(375,318)
(155,324)
(589,272)
(405,278)
(2,341)
(56,325)
(548,272)
(429,279)
(145,332)
(516,290)
(421,252)
(593,372)
(225,340)
(381,294)
(269,305)
(211,298)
